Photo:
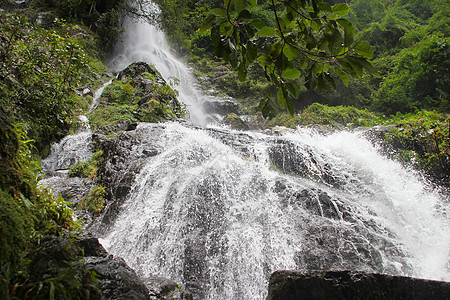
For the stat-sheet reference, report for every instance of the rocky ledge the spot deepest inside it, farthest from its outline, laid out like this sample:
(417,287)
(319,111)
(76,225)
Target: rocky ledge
(324,285)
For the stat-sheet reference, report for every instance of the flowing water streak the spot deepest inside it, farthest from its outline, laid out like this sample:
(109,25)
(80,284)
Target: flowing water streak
(145,42)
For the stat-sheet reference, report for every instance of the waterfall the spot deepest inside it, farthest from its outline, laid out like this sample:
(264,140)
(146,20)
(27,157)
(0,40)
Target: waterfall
(146,43)
(219,210)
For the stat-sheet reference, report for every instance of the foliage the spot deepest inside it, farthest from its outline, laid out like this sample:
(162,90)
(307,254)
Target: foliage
(419,79)
(87,169)
(118,92)
(28,214)
(333,117)
(40,73)
(307,41)
(101,16)
(155,111)
(424,136)
(107,115)
(95,202)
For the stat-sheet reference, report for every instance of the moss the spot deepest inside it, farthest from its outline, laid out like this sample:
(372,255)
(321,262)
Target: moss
(331,116)
(235,122)
(95,202)
(16,224)
(107,115)
(86,169)
(118,92)
(154,112)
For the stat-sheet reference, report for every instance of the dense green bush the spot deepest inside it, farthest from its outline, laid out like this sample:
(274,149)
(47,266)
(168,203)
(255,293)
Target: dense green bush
(422,139)
(28,213)
(87,169)
(331,116)
(40,73)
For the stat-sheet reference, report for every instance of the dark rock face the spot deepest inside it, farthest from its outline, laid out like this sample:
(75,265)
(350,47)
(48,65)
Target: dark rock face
(115,279)
(124,156)
(72,189)
(323,285)
(222,107)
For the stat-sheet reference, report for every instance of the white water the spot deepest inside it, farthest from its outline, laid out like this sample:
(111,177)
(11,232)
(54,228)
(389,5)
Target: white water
(214,218)
(144,42)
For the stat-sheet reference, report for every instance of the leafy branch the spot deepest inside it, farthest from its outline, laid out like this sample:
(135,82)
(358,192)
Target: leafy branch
(309,44)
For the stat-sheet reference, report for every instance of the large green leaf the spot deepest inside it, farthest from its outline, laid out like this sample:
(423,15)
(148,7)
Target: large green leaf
(207,23)
(281,98)
(290,106)
(267,107)
(349,31)
(364,49)
(239,5)
(252,51)
(219,12)
(266,31)
(291,73)
(290,52)
(340,9)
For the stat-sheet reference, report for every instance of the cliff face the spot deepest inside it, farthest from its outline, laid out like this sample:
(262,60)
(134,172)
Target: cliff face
(322,285)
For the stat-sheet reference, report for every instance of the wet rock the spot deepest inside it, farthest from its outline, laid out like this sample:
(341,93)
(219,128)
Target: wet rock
(222,107)
(235,122)
(124,155)
(166,289)
(302,160)
(257,122)
(317,285)
(72,189)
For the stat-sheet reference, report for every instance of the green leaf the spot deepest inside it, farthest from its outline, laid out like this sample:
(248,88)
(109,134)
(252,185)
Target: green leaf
(349,31)
(252,51)
(290,73)
(292,89)
(344,76)
(281,99)
(266,31)
(365,64)
(244,15)
(263,60)
(340,9)
(207,23)
(258,23)
(253,3)
(364,50)
(219,12)
(290,106)
(239,5)
(267,107)
(325,7)
(242,72)
(290,52)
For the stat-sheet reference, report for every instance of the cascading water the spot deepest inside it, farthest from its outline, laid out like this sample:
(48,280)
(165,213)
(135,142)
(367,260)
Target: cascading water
(144,42)
(219,210)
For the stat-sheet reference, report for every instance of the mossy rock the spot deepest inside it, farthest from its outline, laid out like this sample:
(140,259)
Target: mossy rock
(155,112)
(235,122)
(138,94)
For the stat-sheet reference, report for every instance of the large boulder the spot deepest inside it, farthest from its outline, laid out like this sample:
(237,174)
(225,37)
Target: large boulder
(325,285)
